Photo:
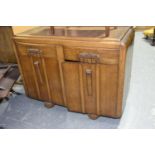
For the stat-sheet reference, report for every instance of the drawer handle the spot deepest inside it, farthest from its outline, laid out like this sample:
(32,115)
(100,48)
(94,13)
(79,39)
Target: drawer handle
(89,81)
(37,65)
(89,57)
(34,52)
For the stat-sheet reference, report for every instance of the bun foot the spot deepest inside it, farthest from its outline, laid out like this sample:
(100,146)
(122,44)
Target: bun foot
(48,104)
(92,116)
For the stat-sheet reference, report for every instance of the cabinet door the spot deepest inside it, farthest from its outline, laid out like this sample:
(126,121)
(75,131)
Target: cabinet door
(79,80)
(73,89)
(28,76)
(41,83)
(91,88)
(107,89)
(41,72)
(33,72)
(52,72)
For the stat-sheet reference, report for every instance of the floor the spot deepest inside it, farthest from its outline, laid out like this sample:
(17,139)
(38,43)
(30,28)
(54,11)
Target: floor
(139,106)
(25,113)
(139,112)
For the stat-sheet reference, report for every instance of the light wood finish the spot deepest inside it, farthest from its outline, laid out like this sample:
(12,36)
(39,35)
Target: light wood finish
(97,89)
(45,84)
(81,88)
(60,59)
(85,74)
(7,52)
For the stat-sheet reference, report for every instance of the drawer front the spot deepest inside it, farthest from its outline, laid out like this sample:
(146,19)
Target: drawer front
(91,55)
(36,50)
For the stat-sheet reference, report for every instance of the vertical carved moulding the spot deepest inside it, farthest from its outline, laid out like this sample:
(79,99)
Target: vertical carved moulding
(60,58)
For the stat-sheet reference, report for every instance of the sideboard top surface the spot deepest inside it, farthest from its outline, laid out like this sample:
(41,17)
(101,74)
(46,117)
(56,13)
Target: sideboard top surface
(77,32)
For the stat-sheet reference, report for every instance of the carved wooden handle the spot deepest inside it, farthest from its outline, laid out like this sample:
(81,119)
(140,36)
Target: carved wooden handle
(34,52)
(89,81)
(36,63)
(89,57)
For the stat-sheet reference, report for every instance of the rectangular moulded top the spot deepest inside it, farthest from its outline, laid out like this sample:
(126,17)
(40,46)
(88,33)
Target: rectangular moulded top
(104,33)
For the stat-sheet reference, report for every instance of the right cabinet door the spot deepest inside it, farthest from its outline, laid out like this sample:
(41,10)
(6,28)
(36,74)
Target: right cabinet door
(91,88)
(107,89)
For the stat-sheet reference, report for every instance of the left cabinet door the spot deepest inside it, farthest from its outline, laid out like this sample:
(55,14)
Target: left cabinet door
(40,71)
(30,59)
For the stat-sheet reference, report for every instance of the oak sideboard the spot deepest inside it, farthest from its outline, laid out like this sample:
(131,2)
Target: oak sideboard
(81,68)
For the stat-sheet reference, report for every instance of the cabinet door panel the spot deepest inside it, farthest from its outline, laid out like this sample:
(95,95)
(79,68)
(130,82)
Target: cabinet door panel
(44,71)
(54,82)
(80,89)
(72,86)
(108,89)
(26,66)
(40,76)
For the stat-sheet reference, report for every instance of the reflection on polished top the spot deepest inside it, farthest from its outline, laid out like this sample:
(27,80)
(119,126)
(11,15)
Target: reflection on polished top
(103,32)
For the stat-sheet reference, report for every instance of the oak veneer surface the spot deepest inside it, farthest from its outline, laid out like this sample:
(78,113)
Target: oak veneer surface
(76,67)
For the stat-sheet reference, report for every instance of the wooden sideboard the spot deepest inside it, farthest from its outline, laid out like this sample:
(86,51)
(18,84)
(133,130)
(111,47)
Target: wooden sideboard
(81,68)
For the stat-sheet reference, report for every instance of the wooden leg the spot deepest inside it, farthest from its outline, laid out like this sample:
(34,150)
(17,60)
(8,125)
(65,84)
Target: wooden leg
(93,116)
(48,104)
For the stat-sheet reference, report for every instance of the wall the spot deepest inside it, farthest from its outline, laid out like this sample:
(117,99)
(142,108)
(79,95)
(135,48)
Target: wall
(6,45)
